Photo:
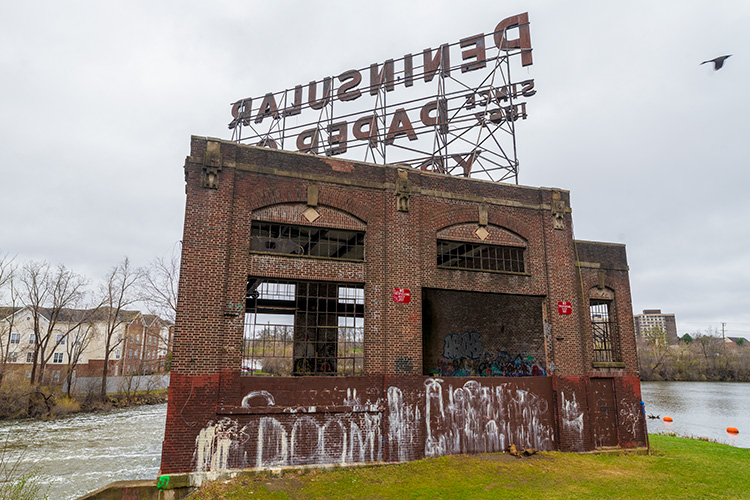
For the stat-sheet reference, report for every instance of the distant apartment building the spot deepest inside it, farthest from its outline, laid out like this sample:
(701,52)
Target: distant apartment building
(654,318)
(140,345)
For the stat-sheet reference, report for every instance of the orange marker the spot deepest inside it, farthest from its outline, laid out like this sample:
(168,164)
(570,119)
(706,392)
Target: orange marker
(667,419)
(733,430)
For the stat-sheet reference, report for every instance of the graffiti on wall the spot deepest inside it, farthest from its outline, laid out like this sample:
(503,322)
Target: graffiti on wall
(467,345)
(437,419)
(308,438)
(465,356)
(572,415)
(475,418)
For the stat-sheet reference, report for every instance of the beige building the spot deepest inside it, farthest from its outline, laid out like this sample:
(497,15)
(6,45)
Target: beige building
(655,319)
(140,344)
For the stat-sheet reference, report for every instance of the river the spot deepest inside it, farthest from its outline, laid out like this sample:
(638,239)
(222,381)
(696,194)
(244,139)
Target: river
(81,453)
(700,409)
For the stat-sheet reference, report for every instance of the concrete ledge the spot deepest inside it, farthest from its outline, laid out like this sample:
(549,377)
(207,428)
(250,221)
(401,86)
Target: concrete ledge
(140,490)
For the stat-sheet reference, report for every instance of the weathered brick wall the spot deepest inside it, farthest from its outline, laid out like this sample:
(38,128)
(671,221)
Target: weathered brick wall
(219,419)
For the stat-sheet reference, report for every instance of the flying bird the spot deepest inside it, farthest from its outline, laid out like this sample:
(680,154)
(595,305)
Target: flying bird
(718,61)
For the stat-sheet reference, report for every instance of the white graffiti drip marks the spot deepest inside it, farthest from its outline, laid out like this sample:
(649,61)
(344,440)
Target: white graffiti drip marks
(272,443)
(403,426)
(477,419)
(572,416)
(214,443)
(307,439)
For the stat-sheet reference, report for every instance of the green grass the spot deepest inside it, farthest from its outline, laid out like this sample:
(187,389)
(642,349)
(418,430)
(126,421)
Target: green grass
(677,468)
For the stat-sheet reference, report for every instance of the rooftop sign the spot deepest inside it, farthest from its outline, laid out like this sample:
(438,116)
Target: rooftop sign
(450,109)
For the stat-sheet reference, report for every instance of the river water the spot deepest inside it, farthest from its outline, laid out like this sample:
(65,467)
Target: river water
(81,453)
(700,409)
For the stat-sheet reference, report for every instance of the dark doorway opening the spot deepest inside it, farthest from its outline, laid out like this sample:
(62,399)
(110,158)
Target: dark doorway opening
(482,334)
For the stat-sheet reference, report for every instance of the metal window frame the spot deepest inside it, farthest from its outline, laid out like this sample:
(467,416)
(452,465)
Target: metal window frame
(307,241)
(314,333)
(604,331)
(480,257)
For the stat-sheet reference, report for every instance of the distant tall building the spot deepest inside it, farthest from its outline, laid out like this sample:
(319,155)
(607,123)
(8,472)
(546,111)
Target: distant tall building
(654,318)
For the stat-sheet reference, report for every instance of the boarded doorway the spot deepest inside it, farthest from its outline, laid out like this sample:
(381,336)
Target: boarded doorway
(603,412)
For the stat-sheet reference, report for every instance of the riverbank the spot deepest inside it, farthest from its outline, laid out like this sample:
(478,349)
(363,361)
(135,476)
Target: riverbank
(49,403)
(677,468)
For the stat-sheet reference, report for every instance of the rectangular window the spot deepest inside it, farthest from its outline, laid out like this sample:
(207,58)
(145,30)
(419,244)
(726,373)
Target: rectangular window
(603,326)
(32,338)
(303,328)
(117,354)
(15,338)
(58,357)
(480,257)
(13,357)
(29,357)
(288,239)
(60,340)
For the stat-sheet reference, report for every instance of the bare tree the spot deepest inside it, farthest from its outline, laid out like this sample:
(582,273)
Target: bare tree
(49,293)
(118,292)
(78,341)
(159,293)
(7,313)
(160,283)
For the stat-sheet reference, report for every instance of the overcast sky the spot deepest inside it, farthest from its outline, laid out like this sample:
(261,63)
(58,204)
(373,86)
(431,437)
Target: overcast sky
(98,101)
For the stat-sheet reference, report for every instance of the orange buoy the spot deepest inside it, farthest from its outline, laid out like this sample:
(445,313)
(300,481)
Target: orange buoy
(667,419)
(733,430)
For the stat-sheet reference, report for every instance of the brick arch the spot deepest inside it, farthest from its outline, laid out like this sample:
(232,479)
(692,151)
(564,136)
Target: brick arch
(607,293)
(269,197)
(465,215)
(292,213)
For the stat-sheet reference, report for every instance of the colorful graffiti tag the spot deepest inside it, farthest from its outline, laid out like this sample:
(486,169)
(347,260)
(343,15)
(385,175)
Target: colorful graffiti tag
(465,356)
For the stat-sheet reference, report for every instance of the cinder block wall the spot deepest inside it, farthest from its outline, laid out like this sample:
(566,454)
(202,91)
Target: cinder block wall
(396,411)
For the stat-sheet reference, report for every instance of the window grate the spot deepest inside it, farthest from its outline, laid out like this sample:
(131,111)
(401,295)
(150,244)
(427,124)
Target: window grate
(303,328)
(603,328)
(477,256)
(288,239)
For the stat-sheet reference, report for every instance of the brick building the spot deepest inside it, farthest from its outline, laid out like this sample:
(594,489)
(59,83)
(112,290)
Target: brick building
(340,312)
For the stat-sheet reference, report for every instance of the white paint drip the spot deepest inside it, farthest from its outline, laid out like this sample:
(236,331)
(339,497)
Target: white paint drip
(213,444)
(572,416)
(478,419)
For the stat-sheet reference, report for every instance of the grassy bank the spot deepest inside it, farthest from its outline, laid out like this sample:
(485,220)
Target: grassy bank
(678,468)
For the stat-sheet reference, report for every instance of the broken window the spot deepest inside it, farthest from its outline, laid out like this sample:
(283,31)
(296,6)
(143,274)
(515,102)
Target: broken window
(481,257)
(603,326)
(307,241)
(303,328)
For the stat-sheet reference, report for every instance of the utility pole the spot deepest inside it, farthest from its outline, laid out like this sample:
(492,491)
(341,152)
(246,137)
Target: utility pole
(722,332)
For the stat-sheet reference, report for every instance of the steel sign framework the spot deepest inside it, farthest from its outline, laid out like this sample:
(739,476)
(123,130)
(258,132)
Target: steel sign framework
(450,110)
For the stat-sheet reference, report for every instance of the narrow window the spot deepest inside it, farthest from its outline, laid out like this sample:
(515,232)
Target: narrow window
(15,338)
(603,327)
(58,357)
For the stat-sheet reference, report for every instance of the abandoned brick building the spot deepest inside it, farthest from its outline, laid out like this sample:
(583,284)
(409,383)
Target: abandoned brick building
(335,312)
